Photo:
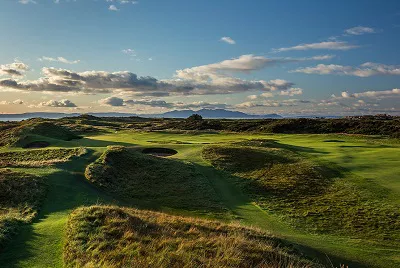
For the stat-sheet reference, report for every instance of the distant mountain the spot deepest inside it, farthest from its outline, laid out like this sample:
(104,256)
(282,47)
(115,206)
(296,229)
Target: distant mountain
(205,113)
(217,113)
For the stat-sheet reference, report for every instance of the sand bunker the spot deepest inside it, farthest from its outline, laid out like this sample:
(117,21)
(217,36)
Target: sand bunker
(37,144)
(161,152)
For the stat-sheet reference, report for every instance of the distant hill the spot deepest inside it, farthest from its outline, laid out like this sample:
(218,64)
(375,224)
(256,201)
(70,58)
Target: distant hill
(206,113)
(217,113)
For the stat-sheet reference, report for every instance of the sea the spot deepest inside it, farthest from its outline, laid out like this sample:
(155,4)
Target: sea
(5,119)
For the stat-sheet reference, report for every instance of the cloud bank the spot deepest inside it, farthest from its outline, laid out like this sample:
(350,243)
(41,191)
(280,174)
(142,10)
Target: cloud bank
(364,70)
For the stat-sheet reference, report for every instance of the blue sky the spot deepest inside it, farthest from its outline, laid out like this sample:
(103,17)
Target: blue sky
(147,56)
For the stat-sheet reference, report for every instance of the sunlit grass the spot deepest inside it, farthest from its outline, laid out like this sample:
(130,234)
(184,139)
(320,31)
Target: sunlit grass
(121,237)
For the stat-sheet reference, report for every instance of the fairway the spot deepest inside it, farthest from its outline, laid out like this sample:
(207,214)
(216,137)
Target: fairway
(374,165)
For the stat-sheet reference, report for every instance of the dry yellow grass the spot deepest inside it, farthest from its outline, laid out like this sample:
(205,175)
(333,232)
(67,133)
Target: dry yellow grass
(103,236)
(39,158)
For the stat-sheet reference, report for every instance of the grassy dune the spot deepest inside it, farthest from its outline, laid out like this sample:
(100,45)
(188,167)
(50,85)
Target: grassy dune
(20,197)
(311,196)
(121,237)
(38,158)
(30,130)
(130,174)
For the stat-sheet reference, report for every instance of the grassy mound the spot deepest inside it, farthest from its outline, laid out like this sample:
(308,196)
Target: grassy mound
(20,197)
(26,132)
(307,195)
(131,174)
(121,237)
(39,158)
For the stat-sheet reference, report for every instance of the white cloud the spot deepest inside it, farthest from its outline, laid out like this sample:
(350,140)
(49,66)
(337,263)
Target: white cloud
(371,94)
(129,51)
(244,63)
(359,30)
(123,2)
(200,80)
(326,45)
(113,8)
(271,103)
(267,95)
(18,101)
(228,40)
(57,104)
(200,105)
(112,101)
(119,102)
(277,84)
(252,97)
(364,70)
(285,89)
(59,59)
(13,69)
(27,2)
(100,82)
(291,92)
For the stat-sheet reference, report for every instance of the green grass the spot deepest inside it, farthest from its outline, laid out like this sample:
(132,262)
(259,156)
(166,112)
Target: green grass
(39,158)
(20,197)
(129,174)
(122,237)
(342,248)
(308,195)
(371,163)
(32,130)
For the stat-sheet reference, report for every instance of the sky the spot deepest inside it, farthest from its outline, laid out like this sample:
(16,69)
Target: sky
(152,56)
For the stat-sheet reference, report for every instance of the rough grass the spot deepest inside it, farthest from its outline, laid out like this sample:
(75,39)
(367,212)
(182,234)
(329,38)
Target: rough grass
(38,158)
(20,196)
(310,196)
(121,237)
(20,134)
(128,173)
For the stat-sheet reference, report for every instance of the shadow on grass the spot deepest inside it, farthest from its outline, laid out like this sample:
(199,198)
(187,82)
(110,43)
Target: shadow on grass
(67,189)
(88,142)
(271,143)
(251,215)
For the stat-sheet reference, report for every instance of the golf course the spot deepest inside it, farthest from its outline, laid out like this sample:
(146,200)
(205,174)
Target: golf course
(120,197)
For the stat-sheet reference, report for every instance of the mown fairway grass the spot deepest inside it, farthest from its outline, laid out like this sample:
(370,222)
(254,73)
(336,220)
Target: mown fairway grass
(40,244)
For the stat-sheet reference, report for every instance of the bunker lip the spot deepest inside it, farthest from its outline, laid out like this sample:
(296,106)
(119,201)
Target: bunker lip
(36,144)
(160,152)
